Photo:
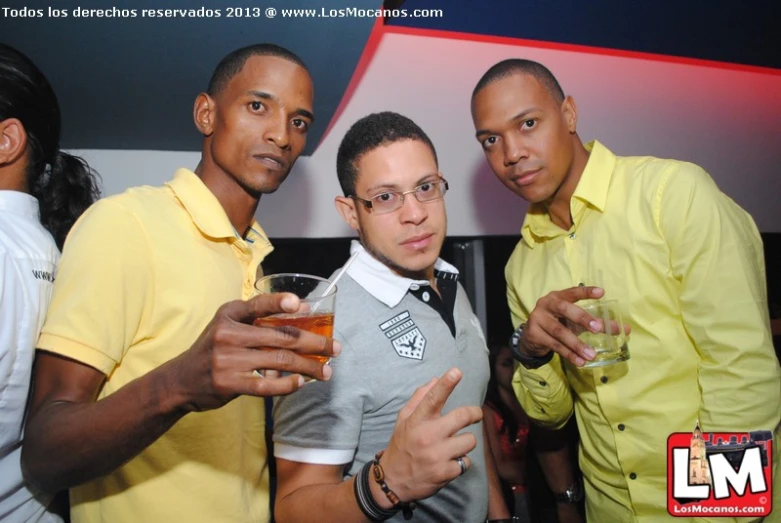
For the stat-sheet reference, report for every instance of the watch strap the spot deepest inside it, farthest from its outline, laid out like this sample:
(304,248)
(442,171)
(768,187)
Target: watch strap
(530,362)
(573,494)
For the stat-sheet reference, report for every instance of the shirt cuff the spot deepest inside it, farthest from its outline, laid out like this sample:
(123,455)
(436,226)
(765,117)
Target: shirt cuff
(313,456)
(539,380)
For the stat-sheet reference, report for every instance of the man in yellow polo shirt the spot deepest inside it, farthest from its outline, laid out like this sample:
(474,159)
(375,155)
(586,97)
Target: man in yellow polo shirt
(144,401)
(684,260)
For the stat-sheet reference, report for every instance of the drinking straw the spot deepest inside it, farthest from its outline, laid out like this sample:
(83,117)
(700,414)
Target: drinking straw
(336,278)
(339,274)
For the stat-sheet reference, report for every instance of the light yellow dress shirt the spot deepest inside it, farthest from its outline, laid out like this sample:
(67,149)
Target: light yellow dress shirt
(687,265)
(142,274)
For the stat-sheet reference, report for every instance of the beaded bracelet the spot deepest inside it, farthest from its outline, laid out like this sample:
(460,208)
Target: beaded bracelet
(379,477)
(364,497)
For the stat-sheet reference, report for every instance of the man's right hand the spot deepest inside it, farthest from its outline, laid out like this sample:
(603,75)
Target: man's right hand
(222,362)
(546,329)
(422,452)
(60,448)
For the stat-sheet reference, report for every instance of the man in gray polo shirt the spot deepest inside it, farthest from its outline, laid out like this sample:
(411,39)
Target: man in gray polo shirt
(402,319)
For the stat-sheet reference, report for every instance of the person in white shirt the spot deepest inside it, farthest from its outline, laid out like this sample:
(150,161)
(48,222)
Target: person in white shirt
(42,192)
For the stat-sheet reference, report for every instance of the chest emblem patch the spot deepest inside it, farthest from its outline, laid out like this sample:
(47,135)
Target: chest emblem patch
(405,336)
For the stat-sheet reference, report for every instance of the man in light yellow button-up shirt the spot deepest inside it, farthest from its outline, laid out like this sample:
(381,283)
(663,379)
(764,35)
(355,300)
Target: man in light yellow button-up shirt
(145,402)
(684,260)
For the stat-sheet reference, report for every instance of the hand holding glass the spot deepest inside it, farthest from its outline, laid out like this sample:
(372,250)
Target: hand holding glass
(317,306)
(610,342)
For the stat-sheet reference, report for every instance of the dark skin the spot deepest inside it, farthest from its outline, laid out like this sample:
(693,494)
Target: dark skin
(555,462)
(531,143)
(254,130)
(558,471)
(512,471)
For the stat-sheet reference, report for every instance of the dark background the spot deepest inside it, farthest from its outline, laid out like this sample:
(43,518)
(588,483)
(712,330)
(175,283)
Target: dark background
(128,83)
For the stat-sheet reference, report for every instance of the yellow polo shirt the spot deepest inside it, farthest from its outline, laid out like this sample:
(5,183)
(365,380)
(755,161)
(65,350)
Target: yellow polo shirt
(141,276)
(687,265)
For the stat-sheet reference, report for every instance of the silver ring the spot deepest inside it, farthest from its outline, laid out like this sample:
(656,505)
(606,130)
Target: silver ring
(462,464)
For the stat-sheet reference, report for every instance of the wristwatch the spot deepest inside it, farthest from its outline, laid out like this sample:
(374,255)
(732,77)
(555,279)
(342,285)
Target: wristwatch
(573,494)
(530,362)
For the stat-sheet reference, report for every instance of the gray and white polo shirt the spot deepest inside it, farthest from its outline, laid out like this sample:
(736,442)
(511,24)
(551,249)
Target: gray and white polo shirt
(396,334)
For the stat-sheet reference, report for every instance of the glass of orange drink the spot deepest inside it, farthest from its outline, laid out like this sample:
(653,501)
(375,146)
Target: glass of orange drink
(317,306)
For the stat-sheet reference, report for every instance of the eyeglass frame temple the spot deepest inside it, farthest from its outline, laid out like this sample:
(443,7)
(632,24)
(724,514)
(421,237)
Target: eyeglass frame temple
(370,205)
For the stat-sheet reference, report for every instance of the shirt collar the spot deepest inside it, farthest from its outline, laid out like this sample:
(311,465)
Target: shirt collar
(591,192)
(206,211)
(595,181)
(378,280)
(19,203)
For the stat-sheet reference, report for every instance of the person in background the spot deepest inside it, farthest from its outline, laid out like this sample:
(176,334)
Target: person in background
(507,427)
(43,190)
(531,460)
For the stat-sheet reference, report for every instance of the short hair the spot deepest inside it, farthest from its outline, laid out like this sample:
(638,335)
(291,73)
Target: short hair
(369,133)
(512,66)
(232,64)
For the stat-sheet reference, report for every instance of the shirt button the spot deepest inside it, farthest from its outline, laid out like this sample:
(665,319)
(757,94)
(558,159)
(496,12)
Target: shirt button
(414,287)
(572,236)
(603,379)
(621,426)
(632,476)
(542,384)
(426,297)
(581,284)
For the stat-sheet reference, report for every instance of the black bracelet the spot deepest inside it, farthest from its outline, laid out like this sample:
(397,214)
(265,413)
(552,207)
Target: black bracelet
(363,496)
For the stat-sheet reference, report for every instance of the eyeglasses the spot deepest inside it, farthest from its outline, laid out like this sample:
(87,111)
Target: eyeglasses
(391,201)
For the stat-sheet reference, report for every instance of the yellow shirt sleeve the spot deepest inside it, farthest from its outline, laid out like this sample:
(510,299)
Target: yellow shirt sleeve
(716,255)
(102,288)
(544,393)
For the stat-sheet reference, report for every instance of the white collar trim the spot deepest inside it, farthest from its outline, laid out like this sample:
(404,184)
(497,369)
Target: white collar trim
(378,280)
